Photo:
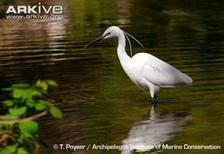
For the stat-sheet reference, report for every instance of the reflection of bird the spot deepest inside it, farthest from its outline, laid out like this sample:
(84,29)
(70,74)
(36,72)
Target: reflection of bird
(158,128)
(145,70)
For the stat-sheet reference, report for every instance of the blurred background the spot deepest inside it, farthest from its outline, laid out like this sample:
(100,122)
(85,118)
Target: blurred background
(100,104)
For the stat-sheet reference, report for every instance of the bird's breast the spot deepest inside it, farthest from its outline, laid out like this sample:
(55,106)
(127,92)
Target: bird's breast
(134,73)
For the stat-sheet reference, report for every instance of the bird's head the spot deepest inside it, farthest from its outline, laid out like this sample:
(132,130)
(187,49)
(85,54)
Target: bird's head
(110,32)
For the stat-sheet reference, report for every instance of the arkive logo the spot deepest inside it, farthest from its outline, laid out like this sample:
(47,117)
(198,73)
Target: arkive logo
(38,11)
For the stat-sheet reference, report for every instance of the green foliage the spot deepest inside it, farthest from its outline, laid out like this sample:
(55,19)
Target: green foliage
(18,128)
(22,150)
(28,127)
(55,112)
(8,102)
(17,111)
(41,105)
(8,150)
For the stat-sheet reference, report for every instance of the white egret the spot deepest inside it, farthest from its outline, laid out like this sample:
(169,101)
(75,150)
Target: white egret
(145,70)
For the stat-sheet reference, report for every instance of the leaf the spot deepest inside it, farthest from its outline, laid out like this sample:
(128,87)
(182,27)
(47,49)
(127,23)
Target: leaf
(25,93)
(52,83)
(17,111)
(8,102)
(6,89)
(10,149)
(21,85)
(20,139)
(55,112)
(10,117)
(29,93)
(22,150)
(41,105)
(33,92)
(17,93)
(43,85)
(26,135)
(28,127)
(30,101)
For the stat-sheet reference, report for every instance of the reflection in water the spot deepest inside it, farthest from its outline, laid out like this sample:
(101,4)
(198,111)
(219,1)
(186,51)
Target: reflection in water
(157,129)
(32,42)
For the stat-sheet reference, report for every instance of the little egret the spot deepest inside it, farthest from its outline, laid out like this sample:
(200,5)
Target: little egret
(145,70)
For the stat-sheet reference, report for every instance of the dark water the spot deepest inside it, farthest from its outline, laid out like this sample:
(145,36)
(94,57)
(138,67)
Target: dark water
(100,104)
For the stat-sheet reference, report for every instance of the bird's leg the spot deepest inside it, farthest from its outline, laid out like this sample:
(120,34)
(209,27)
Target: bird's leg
(154,100)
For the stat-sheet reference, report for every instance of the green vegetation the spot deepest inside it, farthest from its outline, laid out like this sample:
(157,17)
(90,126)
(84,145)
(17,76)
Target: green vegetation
(18,127)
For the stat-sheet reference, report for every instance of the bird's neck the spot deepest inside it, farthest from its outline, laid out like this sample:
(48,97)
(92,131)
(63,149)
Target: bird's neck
(122,55)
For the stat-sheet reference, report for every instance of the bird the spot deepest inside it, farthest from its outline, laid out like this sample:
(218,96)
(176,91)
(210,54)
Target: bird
(145,70)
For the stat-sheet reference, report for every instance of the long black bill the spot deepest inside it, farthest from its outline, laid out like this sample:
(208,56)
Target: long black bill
(97,39)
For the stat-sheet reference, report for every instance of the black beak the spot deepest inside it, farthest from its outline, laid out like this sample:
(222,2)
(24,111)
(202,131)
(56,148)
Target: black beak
(97,39)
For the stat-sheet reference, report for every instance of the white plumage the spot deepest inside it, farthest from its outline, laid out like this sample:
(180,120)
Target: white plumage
(145,70)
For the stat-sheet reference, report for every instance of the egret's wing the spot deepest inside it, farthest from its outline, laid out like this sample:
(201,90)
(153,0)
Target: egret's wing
(163,74)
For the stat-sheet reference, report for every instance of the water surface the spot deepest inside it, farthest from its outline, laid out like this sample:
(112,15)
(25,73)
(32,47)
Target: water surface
(100,104)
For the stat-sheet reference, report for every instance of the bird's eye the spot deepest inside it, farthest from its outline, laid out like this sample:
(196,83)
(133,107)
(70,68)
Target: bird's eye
(108,33)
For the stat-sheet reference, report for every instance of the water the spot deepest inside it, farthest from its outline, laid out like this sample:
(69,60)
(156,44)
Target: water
(100,104)
(154,131)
